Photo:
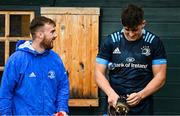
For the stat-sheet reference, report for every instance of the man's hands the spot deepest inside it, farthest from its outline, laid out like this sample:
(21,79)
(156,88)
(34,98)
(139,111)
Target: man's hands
(133,99)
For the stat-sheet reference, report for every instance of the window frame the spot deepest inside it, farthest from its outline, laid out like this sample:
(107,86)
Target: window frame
(7,39)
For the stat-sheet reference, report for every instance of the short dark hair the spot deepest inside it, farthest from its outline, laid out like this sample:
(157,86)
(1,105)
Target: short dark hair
(132,16)
(38,22)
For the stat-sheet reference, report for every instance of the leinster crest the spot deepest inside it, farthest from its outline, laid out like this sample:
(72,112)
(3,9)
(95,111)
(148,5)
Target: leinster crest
(51,74)
(146,50)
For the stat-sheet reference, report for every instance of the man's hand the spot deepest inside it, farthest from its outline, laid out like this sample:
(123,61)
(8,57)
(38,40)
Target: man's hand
(121,107)
(112,98)
(133,99)
(61,113)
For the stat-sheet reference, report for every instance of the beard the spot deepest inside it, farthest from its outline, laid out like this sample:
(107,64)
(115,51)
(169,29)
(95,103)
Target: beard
(47,44)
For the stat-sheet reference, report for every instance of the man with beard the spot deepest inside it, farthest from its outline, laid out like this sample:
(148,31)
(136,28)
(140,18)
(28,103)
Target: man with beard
(34,80)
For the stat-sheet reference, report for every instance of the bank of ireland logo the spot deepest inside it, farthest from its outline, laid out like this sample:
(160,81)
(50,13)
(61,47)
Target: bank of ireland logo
(51,74)
(130,59)
(111,66)
(146,50)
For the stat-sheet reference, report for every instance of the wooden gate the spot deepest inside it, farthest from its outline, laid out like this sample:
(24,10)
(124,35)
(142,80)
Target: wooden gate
(77,44)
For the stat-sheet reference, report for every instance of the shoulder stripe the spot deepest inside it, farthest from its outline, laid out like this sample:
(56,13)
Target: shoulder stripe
(146,36)
(112,36)
(149,37)
(115,36)
(119,38)
(152,38)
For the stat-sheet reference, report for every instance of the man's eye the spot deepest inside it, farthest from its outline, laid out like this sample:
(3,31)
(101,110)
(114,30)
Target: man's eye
(53,31)
(134,30)
(127,29)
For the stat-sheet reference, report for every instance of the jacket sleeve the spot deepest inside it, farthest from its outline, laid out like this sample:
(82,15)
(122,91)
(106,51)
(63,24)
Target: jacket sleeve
(63,91)
(8,83)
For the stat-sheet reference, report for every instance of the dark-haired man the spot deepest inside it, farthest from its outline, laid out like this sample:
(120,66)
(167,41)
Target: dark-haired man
(137,63)
(35,81)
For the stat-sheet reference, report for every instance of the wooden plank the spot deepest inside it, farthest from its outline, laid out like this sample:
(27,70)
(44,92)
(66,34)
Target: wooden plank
(2,39)
(27,3)
(14,39)
(6,50)
(7,25)
(32,15)
(81,52)
(78,57)
(67,36)
(173,62)
(118,3)
(17,12)
(77,54)
(86,58)
(166,106)
(88,3)
(170,90)
(162,14)
(173,75)
(93,52)
(171,44)
(161,29)
(70,10)
(83,102)
(7,31)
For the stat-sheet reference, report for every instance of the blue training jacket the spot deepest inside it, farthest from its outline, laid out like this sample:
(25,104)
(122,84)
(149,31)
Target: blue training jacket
(33,83)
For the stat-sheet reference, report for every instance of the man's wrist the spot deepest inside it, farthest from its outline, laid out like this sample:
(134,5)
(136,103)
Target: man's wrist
(141,95)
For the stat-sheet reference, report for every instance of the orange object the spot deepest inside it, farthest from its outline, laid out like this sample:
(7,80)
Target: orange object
(59,114)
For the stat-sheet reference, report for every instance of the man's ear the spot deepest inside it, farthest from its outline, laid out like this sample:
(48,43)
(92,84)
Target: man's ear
(143,23)
(39,34)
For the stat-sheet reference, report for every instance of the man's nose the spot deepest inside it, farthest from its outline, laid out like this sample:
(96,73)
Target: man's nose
(131,33)
(55,35)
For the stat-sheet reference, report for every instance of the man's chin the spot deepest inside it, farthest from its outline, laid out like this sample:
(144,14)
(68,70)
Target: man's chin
(49,48)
